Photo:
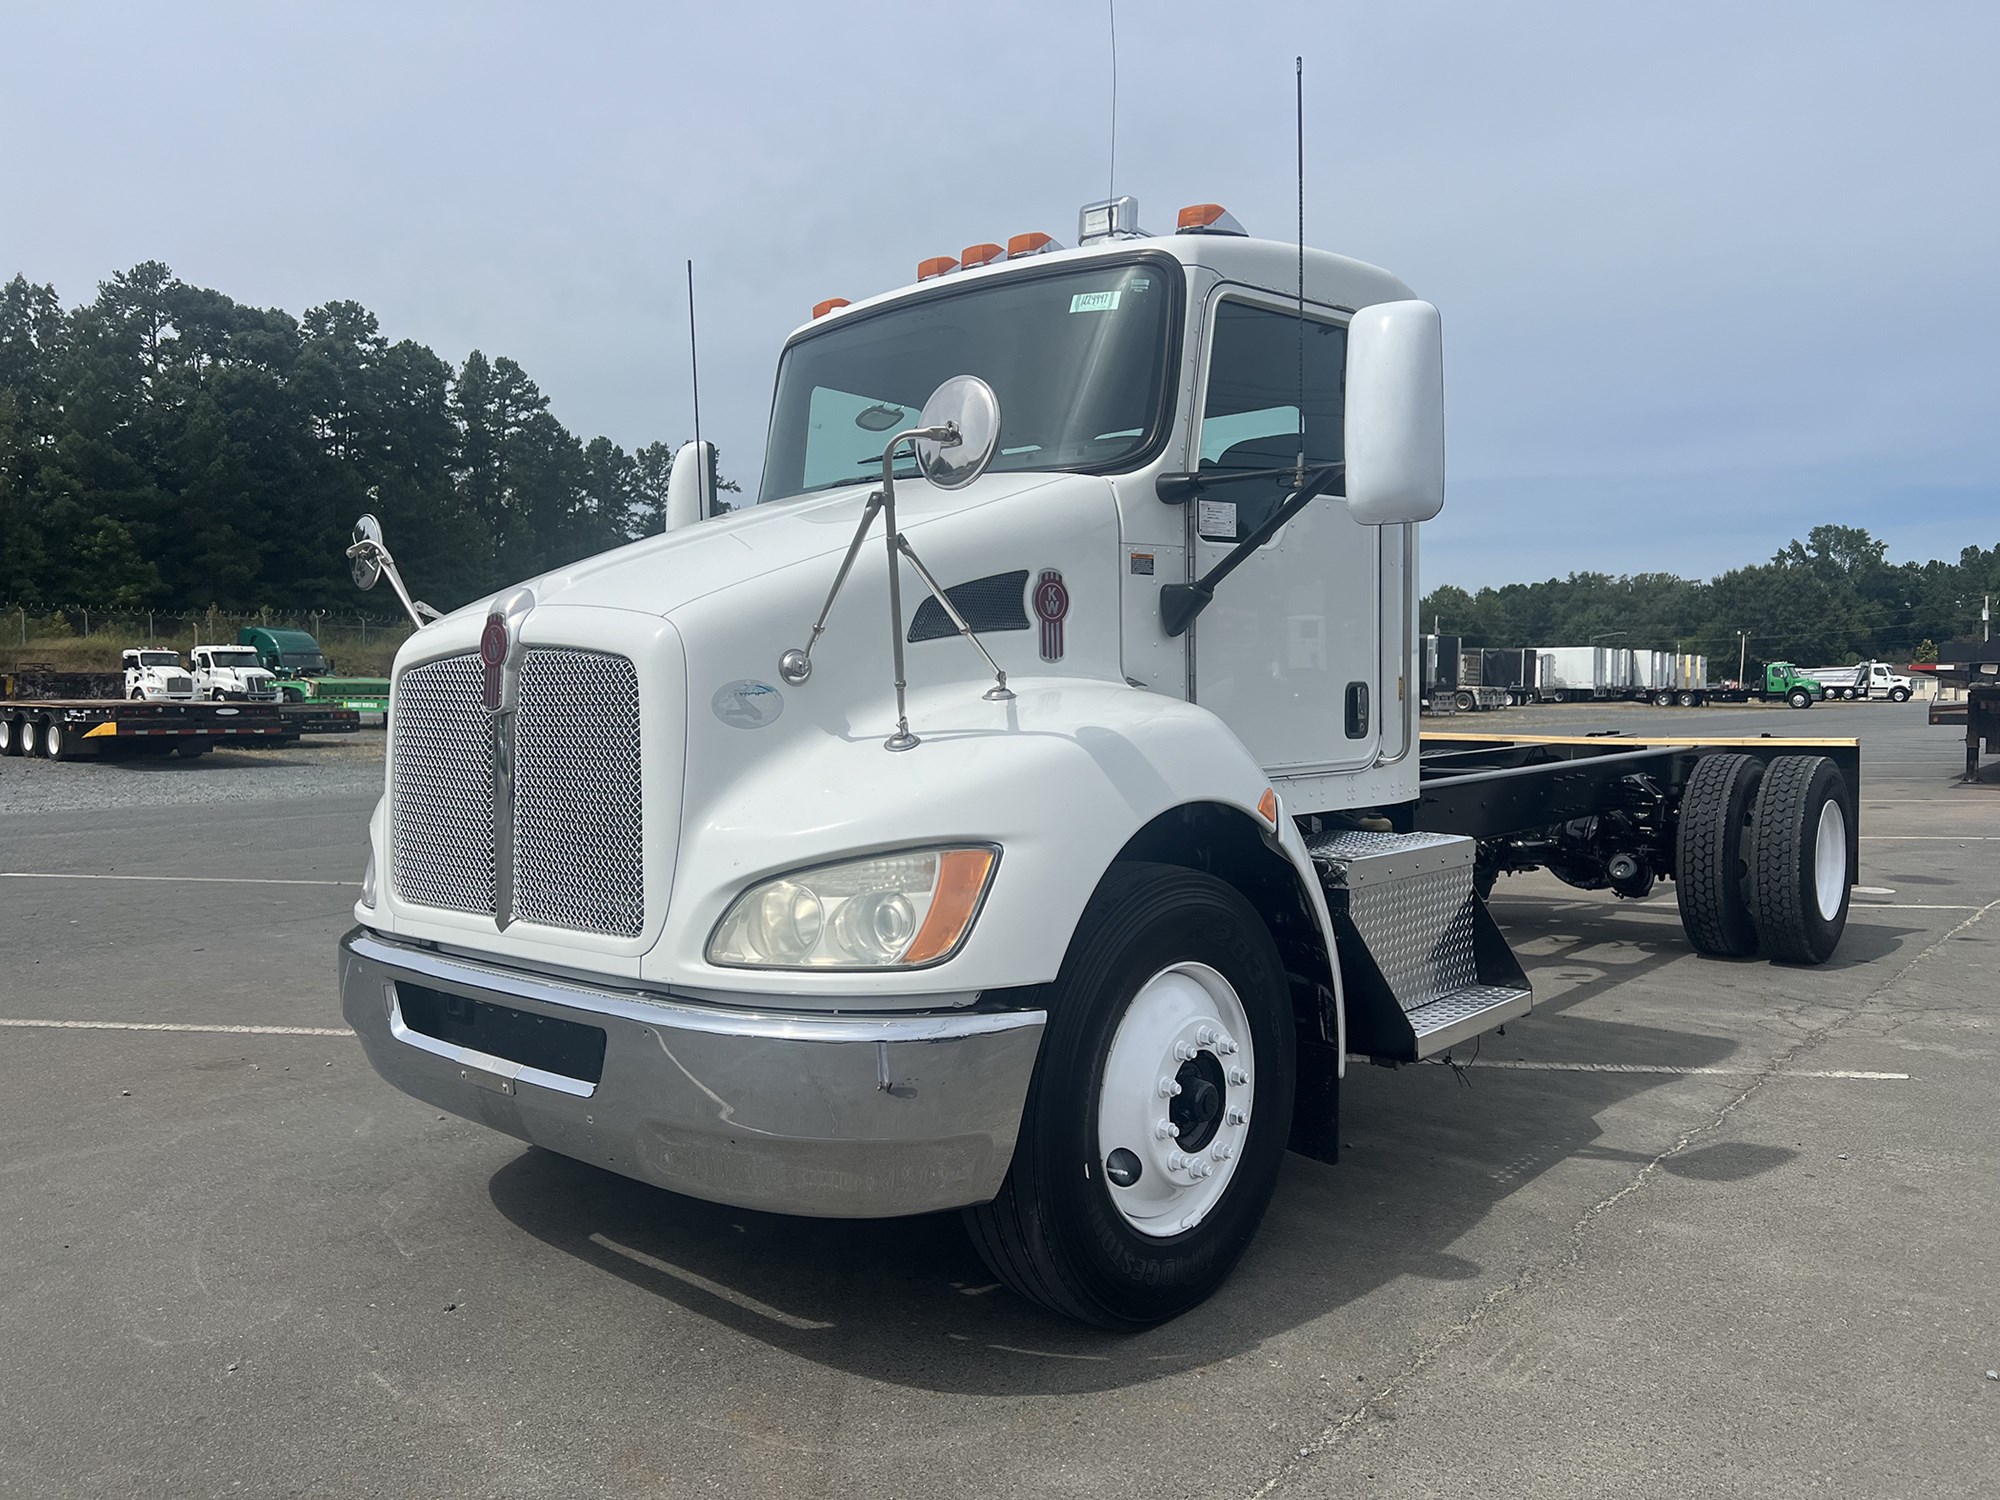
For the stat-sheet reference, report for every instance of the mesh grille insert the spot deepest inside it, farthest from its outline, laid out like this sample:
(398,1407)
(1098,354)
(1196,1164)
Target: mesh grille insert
(442,814)
(579,851)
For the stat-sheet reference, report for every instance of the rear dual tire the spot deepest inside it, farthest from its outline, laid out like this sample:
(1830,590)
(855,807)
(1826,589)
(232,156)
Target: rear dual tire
(1762,857)
(1802,872)
(1095,1220)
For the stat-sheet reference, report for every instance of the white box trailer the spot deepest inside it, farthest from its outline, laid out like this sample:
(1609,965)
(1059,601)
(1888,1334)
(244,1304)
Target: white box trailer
(1053,870)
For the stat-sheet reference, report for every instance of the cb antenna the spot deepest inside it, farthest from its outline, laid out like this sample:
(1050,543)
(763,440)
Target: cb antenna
(1111,174)
(1299,113)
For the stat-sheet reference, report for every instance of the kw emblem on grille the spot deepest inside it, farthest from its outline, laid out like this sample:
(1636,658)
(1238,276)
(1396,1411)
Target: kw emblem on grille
(493,656)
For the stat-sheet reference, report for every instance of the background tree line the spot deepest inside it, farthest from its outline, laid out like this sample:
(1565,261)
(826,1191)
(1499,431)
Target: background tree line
(1830,600)
(165,447)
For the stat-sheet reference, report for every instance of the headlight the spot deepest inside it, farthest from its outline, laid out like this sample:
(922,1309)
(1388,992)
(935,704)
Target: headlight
(890,911)
(368,881)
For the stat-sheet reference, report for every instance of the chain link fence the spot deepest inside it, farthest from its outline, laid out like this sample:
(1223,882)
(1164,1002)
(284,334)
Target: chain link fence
(358,643)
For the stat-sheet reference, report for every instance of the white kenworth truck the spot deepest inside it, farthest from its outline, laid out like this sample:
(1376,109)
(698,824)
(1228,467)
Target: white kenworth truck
(1020,809)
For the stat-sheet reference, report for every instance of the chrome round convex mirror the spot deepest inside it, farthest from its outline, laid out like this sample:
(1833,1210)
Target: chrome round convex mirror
(968,405)
(364,558)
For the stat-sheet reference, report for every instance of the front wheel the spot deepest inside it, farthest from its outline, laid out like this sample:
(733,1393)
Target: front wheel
(1158,1116)
(1799,698)
(1899,695)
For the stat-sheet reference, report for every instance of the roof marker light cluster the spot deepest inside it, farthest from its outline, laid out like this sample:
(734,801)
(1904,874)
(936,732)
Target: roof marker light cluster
(1111,219)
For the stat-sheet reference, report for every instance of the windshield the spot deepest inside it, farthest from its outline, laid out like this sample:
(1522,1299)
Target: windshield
(159,659)
(305,660)
(234,660)
(1079,360)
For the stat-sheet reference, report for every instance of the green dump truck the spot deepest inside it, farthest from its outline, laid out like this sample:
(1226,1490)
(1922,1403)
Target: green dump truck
(305,675)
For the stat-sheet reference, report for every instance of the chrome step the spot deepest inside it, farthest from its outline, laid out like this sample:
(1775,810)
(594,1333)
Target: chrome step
(1422,965)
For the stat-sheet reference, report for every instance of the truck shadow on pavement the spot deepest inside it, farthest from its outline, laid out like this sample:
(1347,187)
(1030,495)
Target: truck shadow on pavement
(1427,1155)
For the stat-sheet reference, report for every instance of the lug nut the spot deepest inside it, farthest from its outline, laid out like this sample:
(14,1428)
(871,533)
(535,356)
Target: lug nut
(1199,1169)
(1168,1088)
(1184,1050)
(1166,1130)
(1238,1077)
(1175,1161)
(1236,1116)
(1222,1153)
(1206,1036)
(1226,1046)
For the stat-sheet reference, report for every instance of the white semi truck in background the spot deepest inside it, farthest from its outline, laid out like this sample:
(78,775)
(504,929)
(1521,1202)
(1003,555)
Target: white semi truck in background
(156,675)
(1021,809)
(1871,679)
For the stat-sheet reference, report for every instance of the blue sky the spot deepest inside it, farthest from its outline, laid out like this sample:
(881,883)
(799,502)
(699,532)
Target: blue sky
(1711,273)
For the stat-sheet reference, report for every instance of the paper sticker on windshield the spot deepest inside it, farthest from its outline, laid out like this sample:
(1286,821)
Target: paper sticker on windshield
(1216,519)
(1093,302)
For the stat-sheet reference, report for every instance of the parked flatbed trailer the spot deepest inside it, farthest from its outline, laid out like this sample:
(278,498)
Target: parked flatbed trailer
(70,728)
(309,717)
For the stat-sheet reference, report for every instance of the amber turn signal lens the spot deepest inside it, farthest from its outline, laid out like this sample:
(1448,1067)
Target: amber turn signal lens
(961,881)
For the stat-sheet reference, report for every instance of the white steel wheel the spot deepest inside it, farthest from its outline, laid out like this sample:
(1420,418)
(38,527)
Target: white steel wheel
(1176,1098)
(7,736)
(1106,1215)
(1830,860)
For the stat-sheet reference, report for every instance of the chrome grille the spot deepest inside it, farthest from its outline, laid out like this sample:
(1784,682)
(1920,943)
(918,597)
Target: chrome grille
(579,858)
(442,816)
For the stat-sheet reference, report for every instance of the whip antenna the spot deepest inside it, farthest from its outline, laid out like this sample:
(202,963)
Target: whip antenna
(1299,111)
(1111,174)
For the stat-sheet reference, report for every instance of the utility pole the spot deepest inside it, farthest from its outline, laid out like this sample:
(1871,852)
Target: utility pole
(1986,619)
(1742,642)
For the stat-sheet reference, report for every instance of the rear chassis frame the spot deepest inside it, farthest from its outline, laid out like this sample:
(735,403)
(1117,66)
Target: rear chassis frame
(1572,804)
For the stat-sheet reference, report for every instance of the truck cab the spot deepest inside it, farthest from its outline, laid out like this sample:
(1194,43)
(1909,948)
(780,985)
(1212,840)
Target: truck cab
(292,657)
(155,674)
(232,674)
(1883,683)
(1015,810)
(1783,680)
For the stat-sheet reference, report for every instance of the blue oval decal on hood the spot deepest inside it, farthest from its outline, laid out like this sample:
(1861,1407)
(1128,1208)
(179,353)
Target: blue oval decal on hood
(744,704)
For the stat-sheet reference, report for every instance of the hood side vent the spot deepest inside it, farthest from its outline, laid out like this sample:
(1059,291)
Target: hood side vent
(996,602)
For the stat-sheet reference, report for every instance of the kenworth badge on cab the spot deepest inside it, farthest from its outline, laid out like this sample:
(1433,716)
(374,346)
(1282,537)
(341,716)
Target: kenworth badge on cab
(1020,809)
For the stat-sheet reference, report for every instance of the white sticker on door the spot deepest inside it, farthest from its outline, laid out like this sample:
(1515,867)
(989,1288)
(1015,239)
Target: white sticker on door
(1216,519)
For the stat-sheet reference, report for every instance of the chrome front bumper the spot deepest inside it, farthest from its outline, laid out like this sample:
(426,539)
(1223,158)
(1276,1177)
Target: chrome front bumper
(831,1116)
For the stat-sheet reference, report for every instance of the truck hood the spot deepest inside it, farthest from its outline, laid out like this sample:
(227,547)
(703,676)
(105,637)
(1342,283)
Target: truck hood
(659,574)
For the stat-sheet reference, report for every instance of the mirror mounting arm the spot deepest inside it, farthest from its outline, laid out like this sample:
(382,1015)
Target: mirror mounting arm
(1181,602)
(1178,489)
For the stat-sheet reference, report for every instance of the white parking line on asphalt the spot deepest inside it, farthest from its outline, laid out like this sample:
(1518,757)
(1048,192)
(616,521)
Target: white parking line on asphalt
(1523,1066)
(176,879)
(220,1030)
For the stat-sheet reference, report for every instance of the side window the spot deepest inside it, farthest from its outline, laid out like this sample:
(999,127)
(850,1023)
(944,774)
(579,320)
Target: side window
(1251,416)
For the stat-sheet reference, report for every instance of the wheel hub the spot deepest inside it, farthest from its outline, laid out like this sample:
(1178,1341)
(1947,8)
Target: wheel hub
(1174,1103)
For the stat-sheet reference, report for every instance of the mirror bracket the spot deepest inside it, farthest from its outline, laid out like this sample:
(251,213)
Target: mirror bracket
(1180,603)
(1178,489)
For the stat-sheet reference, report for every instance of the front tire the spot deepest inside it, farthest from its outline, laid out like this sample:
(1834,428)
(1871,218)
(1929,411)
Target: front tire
(1170,1014)
(1899,695)
(1799,698)
(1802,875)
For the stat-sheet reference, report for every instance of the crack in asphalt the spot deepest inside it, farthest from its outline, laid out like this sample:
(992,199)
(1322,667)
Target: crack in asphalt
(1532,1277)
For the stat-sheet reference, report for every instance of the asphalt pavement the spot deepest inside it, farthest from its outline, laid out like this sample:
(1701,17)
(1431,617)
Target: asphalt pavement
(1693,1227)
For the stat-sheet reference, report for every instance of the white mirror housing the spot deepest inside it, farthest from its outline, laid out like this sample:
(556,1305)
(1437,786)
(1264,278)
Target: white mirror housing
(1395,414)
(690,487)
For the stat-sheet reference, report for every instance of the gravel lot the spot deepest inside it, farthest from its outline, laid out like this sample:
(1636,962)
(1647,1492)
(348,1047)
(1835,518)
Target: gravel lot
(1694,1227)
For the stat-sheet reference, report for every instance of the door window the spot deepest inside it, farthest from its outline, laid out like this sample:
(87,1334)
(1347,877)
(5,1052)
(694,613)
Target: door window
(1251,416)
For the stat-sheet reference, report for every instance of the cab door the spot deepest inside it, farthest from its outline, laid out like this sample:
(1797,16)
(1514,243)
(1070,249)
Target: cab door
(1287,654)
